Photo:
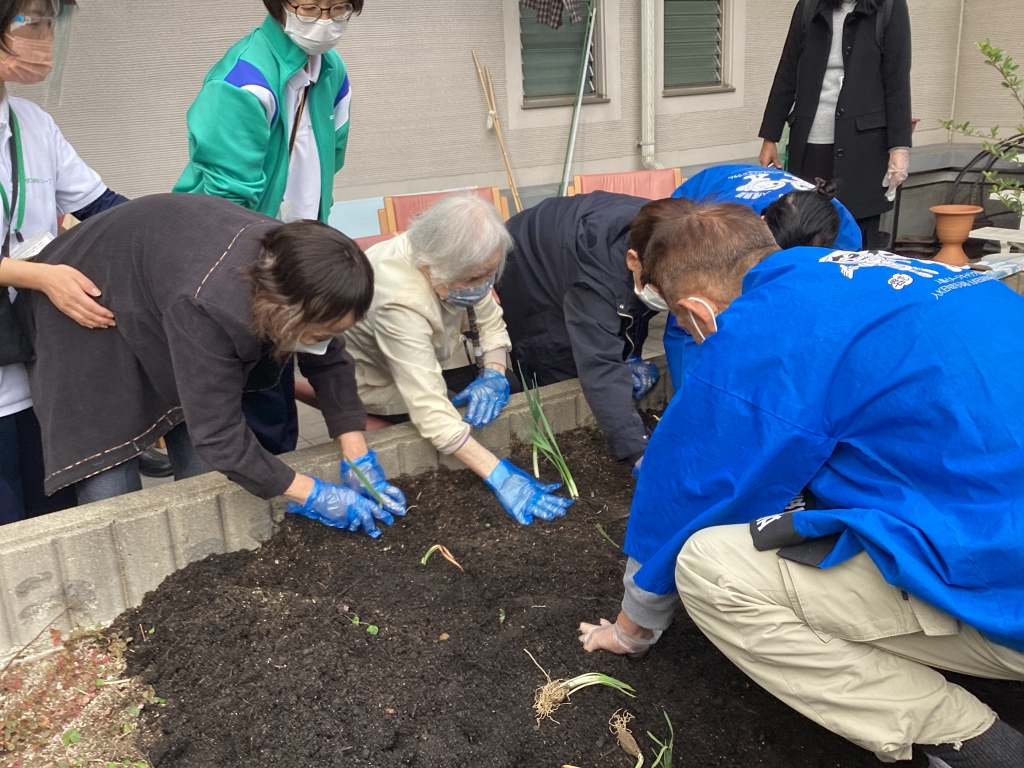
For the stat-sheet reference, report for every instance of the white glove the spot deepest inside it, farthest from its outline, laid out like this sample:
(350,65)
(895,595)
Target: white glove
(899,169)
(610,637)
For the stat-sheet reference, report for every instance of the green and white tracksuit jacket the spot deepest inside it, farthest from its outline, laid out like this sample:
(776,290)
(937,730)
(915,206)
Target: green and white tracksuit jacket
(238,136)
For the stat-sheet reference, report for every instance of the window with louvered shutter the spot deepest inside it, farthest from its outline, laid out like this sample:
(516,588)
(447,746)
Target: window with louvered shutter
(693,44)
(551,58)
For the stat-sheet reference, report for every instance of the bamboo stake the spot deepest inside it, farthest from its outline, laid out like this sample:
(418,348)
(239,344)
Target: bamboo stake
(501,142)
(492,112)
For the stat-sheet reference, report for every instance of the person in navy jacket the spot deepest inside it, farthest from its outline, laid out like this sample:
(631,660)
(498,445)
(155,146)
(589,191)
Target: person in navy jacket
(574,309)
(860,377)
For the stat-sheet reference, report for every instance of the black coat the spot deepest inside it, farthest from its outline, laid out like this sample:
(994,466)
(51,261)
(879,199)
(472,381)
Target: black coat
(172,270)
(570,308)
(873,113)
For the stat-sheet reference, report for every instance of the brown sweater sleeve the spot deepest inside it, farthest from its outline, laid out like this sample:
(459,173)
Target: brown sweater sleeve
(210,377)
(333,378)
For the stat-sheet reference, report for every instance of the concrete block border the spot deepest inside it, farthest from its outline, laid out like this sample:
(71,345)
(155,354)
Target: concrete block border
(85,566)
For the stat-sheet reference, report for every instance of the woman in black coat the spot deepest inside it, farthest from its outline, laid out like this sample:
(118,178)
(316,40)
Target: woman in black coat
(210,300)
(847,99)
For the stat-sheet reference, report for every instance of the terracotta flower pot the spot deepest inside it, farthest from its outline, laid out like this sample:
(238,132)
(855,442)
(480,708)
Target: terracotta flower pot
(953,225)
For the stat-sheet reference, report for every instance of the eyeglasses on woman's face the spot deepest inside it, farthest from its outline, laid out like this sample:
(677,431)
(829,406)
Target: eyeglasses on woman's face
(310,12)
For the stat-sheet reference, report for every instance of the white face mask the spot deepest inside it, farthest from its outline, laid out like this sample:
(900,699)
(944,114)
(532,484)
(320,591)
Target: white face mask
(693,320)
(651,298)
(320,348)
(316,37)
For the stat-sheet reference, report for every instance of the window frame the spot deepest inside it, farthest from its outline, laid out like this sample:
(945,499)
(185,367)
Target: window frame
(599,96)
(687,101)
(557,112)
(728,63)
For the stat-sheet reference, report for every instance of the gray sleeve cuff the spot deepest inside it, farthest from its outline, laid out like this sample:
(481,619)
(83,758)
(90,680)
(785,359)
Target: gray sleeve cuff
(647,609)
(453,445)
(498,356)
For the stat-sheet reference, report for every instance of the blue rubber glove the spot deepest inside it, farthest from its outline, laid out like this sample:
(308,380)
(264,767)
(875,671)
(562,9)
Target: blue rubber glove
(487,394)
(341,507)
(523,497)
(645,375)
(394,499)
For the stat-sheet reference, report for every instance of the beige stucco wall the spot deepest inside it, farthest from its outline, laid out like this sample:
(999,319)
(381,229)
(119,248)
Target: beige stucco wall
(980,97)
(418,115)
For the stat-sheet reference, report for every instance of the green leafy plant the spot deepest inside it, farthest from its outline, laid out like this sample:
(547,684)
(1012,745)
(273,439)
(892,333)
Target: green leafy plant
(542,437)
(1008,188)
(372,629)
(363,479)
(664,756)
(70,737)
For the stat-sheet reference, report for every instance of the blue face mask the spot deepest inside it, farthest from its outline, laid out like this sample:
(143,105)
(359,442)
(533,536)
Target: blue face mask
(468,297)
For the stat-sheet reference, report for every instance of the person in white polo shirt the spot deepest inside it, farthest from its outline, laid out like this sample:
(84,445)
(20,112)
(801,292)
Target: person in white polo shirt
(41,179)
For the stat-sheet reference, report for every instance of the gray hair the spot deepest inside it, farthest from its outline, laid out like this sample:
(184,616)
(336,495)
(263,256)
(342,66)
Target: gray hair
(456,235)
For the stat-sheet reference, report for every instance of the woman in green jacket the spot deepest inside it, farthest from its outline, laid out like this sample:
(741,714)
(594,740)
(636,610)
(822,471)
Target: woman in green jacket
(268,131)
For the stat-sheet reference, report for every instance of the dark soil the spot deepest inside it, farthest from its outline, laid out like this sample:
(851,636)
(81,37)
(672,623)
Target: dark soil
(261,665)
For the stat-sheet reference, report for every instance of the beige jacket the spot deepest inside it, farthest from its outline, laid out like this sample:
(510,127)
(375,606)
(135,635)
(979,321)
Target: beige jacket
(402,343)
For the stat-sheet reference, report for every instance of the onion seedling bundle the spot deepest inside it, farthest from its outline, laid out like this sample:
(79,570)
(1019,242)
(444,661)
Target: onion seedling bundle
(542,437)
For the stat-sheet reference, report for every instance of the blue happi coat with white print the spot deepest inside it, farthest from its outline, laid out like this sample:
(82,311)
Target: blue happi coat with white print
(756,188)
(892,389)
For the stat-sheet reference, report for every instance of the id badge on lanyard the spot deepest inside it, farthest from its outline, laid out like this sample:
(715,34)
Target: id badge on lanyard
(14,210)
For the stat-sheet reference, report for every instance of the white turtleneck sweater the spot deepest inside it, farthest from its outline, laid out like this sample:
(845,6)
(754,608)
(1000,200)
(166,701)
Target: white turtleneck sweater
(823,129)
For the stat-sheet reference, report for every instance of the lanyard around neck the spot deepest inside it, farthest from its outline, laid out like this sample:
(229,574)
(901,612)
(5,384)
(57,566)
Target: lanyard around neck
(18,176)
(298,119)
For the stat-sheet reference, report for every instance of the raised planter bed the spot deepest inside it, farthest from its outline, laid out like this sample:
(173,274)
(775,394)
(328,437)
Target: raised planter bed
(100,559)
(261,661)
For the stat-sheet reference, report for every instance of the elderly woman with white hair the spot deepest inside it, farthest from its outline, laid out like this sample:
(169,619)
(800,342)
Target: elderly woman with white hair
(432,300)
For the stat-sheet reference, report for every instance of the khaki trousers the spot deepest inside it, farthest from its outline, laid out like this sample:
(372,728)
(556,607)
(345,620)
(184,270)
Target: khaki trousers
(840,645)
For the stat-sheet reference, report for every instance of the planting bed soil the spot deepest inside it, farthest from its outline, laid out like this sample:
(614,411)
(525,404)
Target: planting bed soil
(261,663)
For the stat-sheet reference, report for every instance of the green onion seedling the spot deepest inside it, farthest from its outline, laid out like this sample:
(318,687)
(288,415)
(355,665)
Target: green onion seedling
(608,538)
(554,693)
(664,756)
(363,480)
(542,437)
(619,725)
(445,553)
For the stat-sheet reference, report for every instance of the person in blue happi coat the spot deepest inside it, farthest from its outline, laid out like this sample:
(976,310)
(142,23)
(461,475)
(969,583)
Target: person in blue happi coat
(797,212)
(863,377)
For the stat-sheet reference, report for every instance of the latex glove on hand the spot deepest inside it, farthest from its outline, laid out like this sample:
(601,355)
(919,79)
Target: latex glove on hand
(487,394)
(341,507)
(614,639)
(645,375)
(523,497)
(899,169)
(394,499)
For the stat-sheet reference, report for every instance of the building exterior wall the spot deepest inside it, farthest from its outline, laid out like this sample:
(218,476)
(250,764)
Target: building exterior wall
(980,98)
(418,114)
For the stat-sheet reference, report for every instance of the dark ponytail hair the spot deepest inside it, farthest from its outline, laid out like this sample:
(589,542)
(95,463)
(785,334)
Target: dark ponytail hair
(805,217)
